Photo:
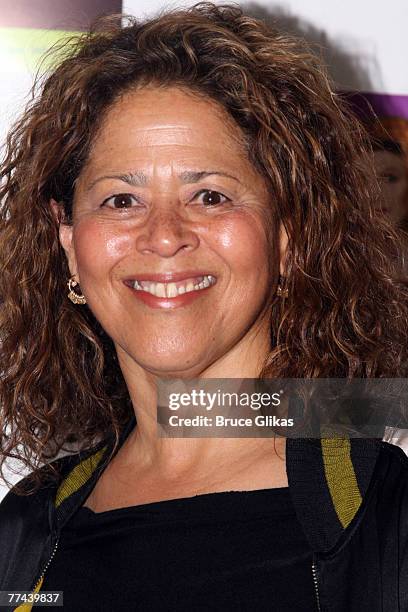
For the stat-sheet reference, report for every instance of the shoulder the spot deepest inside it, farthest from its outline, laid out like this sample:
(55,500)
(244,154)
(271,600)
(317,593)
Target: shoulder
(24,525)
(392,459)
(21,499)
(391,479)
(25,497)
(393,454)
(25,502)
(397,437)
(391,505)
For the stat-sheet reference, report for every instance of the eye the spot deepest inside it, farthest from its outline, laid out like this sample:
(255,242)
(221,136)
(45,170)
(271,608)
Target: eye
(389,177)
(209,198)
(120,200)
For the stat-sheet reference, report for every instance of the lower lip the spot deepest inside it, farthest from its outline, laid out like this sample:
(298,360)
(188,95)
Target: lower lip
(164,302)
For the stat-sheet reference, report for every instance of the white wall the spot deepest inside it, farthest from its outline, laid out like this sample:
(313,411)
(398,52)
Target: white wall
(373,31)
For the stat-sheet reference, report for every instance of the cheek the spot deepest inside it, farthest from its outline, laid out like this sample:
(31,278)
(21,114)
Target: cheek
(240,241)
(243,245)
(98,247)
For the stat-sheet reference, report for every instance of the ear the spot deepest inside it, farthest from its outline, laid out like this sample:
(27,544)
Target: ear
(65,232)
(283,249)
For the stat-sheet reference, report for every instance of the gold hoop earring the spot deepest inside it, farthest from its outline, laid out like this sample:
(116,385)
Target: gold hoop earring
(281,291)
(73,296)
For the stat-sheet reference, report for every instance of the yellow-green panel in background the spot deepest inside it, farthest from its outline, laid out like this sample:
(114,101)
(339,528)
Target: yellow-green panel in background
(22,49)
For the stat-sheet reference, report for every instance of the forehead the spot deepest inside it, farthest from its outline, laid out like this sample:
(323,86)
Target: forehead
(167,119)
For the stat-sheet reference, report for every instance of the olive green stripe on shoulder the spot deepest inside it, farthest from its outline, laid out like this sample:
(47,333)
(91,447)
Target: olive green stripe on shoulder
(78,476)
(341,478)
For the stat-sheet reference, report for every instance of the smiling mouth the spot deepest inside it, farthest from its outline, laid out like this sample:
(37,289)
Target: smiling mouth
(172,289)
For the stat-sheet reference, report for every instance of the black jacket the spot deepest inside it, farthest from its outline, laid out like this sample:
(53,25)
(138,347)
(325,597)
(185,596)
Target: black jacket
(351,497)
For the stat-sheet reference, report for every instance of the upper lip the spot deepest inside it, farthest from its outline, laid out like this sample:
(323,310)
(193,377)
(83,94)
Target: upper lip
(168,277)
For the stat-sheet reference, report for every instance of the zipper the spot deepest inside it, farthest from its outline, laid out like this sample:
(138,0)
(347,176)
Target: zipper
(316,584)
(37,582)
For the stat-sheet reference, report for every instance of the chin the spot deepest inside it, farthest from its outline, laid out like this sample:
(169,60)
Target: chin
(173,365)
(177,369)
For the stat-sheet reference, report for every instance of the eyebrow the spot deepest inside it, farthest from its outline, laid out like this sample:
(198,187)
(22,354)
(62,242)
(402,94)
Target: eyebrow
(140,179)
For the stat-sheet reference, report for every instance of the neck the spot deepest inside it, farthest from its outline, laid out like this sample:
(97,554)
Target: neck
(178,456)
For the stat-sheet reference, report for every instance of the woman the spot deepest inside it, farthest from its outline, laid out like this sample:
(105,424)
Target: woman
(383,116)
(390,136)
(196,184)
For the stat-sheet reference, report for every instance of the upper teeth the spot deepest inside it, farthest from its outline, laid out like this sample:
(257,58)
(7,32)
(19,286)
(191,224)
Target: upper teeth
(172,289)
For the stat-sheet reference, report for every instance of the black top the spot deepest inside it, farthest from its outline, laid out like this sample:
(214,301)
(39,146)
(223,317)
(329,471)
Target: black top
(237,550)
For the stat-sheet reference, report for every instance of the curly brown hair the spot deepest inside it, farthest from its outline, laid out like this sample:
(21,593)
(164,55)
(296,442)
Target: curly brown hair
(346,315)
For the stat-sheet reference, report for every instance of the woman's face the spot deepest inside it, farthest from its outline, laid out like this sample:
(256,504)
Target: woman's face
(169,240)
(392,172)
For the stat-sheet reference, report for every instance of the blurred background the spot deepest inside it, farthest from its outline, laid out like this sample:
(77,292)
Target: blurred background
(363,43)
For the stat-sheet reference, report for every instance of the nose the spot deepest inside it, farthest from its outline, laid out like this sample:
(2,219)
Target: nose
(165,234)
